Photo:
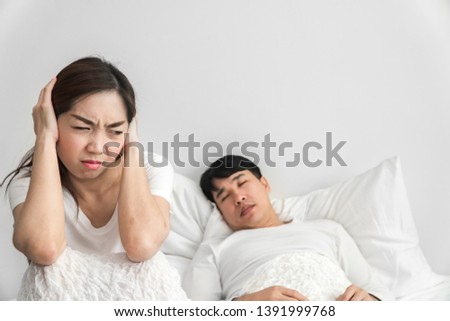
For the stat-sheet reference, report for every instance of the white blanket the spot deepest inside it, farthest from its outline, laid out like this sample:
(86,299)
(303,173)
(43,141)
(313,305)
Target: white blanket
(80,276)
(313,275)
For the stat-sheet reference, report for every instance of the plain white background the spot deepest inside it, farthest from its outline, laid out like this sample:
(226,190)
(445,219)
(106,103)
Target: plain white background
(374,73)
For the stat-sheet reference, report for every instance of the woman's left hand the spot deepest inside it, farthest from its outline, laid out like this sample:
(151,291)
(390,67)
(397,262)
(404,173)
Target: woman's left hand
(132,131)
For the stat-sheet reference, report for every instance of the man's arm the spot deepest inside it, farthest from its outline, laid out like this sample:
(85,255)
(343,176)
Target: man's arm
(366,284)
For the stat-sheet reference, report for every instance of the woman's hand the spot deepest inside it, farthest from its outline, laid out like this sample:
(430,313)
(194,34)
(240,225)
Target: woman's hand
(44,117)
(39,221)
(132,131)
(131,138)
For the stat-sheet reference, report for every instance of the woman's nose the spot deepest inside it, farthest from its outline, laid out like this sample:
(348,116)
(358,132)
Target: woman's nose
(96,143)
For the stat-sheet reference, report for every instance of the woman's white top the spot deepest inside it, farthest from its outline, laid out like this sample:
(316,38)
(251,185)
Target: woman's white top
(80,234)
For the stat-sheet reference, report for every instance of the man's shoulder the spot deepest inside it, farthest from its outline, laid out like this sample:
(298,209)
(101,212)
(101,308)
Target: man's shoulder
(322,224)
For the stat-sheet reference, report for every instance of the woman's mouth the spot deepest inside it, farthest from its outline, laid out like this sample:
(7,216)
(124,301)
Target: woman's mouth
(92,164)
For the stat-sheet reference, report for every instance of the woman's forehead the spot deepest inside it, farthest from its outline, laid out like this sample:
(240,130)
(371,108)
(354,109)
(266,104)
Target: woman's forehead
(101,107)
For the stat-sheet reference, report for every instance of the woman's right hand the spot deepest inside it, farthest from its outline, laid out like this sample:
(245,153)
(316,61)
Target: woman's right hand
(44,117)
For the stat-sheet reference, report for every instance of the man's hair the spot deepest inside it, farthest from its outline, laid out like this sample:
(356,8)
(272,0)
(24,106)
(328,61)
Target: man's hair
(225,167)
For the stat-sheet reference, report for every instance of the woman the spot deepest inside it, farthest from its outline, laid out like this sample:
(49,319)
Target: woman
(81,186)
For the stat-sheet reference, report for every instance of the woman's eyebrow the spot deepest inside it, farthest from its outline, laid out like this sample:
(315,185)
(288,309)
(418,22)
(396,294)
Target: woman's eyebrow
(84,120)
(91,123)
(116,124)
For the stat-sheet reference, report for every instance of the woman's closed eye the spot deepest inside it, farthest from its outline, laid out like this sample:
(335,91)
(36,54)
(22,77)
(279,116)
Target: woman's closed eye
(80,128)
(116,132)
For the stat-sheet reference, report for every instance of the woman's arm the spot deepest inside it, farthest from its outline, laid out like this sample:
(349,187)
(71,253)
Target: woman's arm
(39,221)
(143,217)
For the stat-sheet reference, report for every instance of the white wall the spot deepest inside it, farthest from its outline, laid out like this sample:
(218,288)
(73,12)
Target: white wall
(375,73)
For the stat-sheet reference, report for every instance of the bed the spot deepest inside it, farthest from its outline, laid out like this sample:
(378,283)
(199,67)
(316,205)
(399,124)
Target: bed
(373,207)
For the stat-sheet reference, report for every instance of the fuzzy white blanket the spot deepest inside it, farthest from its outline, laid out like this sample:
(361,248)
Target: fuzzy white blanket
(80,276)
(313,275)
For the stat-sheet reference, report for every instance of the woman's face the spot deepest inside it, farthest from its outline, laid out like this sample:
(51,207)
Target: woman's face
(84,130)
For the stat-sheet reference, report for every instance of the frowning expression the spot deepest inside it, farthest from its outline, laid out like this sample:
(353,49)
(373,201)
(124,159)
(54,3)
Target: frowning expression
(85,129)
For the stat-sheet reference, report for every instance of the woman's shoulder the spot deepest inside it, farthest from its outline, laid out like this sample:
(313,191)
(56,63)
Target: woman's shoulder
(21,179)
(160,175)
(155,162)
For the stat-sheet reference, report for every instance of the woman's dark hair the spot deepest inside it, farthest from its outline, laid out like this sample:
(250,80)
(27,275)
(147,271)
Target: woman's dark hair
(225,167)
(84,77)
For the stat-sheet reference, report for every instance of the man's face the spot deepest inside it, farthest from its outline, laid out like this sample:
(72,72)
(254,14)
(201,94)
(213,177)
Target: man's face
(244,201)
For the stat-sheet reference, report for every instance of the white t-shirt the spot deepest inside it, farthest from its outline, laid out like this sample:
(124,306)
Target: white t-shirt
(222,269)
(80,234)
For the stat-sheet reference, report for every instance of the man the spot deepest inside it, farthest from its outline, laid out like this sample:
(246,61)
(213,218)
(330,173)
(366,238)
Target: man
(268,259)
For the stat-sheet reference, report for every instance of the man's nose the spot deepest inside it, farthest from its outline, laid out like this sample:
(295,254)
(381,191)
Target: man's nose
(239,199)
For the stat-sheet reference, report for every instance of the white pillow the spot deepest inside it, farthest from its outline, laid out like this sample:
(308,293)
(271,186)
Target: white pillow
(189,213)
(374,209)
